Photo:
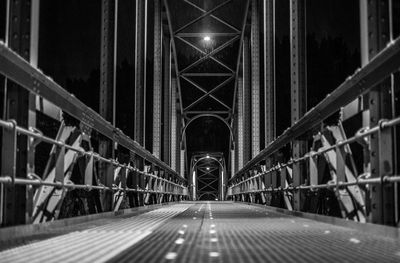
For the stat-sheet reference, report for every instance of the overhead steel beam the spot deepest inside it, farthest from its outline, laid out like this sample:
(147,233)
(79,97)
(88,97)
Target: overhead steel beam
(210,34)
(204,91)
(210,92)
(202,16)
(360,83)
(255,78)
(208,55)
(207,74)
(157,79)
(204,53)
(269,69)
(213,16)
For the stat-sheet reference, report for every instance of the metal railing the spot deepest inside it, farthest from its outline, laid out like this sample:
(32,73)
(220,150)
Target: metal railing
(18,70)
(250,179)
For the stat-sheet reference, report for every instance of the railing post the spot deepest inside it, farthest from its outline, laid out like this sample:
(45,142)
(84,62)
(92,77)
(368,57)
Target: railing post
(157,79)
(167,102)
(140,71)
(255,78)
(382,196)
(269,69)
(298,86)
(20,104)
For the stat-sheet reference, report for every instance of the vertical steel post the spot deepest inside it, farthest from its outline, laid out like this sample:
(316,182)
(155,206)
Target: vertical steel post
(182,169)
(18,106)
(381,155)
(108,65)
(167,102)
(269,69)
(298,84)
(240,129)
(107,60)
(246,102)
(140,58)
(157,79)
(173,122)
(255,78)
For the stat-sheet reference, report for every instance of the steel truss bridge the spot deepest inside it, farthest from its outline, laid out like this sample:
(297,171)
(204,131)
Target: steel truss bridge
(299,196)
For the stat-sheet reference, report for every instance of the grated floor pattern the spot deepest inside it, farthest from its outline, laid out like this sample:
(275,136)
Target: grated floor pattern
(211,232)
(231,232)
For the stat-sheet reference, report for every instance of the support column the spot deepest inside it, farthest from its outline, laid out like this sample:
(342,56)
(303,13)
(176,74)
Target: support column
(298,85)
(167,103)
(140,70)
(157,79)
(269,70)
(20,106)
(381,145)
(247,129)
(240,116)
(108,86)
(173,129)
(108,59)
(255,79)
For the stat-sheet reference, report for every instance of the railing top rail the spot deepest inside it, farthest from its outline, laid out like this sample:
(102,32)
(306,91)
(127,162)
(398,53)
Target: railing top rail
(22,72)
(364,79)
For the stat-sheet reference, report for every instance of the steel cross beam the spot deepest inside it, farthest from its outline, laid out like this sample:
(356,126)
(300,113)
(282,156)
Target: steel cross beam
(208,94)
(202,16)
(205,53)
(174,54)
(207,56)
(239,56)
(208,185)
(205,92)
(207,74)
(213,16)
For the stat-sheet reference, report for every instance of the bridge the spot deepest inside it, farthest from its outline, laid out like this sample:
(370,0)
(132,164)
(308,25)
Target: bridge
(200,131)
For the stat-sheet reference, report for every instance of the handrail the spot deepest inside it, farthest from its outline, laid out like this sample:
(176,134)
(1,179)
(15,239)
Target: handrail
(22,72)
(364,79)
(360,135)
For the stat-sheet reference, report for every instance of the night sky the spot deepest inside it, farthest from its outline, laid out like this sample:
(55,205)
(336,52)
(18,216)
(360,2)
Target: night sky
(70,53)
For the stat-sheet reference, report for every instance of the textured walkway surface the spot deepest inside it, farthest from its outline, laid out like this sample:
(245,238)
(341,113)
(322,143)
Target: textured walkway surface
(210,232)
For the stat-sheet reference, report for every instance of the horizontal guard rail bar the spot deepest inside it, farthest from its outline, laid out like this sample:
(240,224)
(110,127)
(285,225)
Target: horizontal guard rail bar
(367,132)
(22,72)
(21,181)
(381,66)
(376,180)
(20,130)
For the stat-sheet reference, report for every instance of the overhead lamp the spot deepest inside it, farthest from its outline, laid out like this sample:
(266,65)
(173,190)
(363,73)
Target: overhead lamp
(207,38)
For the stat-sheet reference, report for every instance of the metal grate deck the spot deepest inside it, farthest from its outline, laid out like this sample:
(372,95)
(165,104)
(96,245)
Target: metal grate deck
(211,232)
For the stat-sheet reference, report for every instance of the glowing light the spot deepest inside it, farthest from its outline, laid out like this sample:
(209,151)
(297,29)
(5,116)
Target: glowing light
(208,168)
(214,254)
(171,255)
(179,241)
(207,38)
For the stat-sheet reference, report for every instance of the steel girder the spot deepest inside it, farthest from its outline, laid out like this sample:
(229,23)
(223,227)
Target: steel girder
(381,145)
(22,37)
(298,85)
